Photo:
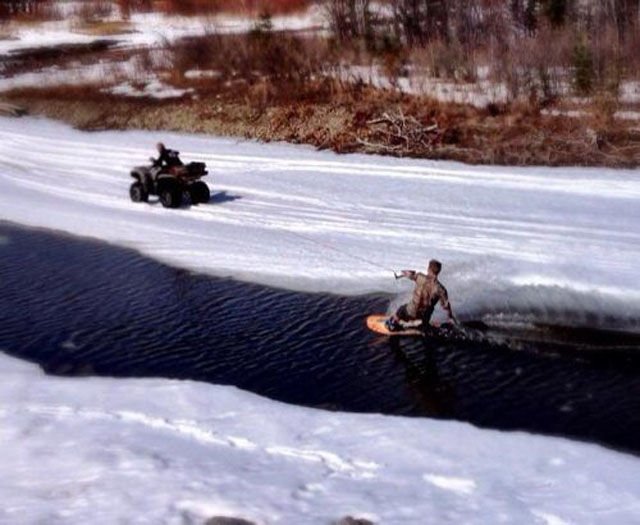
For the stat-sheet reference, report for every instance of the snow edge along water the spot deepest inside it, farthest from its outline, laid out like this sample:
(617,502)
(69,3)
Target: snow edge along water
(541,244)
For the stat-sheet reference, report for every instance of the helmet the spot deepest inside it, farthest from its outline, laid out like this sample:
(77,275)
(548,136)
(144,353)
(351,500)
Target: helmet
(160,147)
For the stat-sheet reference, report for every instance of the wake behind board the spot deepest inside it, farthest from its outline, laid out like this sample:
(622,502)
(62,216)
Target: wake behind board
(376,323)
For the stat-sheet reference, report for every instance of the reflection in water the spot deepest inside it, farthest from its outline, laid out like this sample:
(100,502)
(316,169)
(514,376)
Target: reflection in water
(81,307)
(429,390)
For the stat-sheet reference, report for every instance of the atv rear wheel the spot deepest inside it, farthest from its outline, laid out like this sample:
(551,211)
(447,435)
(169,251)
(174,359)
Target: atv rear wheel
(171,197)
(138,193)
(199,192)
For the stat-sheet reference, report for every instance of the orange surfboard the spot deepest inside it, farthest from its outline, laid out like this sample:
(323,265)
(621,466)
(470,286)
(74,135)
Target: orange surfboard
(376,323)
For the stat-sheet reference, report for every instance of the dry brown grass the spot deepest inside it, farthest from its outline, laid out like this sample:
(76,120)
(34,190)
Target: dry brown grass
(37,11)
(252,7)
(103,28)
(263,66)
(355,118)
(94,10)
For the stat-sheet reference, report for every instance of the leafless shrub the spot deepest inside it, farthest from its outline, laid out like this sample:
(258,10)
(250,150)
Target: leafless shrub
(259,57)
(423,21)
(27,10)
(127,7)
(449,61)
(190,7)
(621,16)
(535,48)
(533,70)
(394,66)
(604,106)
(94,10)
(204,7)
(607,59)
(266,6)
(629,55)
(349,19)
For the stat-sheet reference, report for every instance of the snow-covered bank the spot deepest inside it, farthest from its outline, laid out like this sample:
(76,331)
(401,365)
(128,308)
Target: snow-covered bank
(159,451)
(149,29)
(527,241)
(559,244)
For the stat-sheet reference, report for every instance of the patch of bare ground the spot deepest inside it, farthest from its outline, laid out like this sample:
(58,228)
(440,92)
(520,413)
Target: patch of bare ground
(355,118)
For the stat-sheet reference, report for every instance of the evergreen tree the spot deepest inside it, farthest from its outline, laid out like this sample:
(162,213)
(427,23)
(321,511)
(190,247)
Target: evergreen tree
(556,11)
(583,68)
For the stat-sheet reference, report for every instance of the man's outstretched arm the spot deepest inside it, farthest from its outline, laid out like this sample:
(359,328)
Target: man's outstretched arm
(449,311)
(446,305)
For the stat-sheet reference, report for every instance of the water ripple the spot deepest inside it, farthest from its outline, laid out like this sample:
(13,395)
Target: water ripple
(83,307)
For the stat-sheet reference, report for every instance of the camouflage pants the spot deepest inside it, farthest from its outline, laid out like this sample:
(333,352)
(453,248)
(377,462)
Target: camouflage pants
(403,314)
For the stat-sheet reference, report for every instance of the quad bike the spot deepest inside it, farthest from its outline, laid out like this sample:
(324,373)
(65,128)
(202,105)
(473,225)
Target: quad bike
(170,183)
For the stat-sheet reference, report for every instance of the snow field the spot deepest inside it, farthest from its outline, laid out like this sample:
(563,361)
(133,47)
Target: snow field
(160,451)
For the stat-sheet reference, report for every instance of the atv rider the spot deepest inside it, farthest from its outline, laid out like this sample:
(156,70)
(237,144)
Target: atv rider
(426,294)
(167,158)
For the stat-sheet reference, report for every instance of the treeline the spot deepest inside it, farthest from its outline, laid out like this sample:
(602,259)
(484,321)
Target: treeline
(535,47)
(473,22)
(47,8)
(11,8)
(194,7)
(540,49)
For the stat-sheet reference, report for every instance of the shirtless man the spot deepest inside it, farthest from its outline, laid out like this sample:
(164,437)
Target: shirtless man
(427,293)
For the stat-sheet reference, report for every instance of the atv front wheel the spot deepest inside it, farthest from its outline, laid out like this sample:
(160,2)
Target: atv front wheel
(199,192)
(171,197)
(138,193)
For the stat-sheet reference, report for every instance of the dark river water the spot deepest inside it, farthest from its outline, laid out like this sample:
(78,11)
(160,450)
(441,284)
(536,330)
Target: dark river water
(81,307)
